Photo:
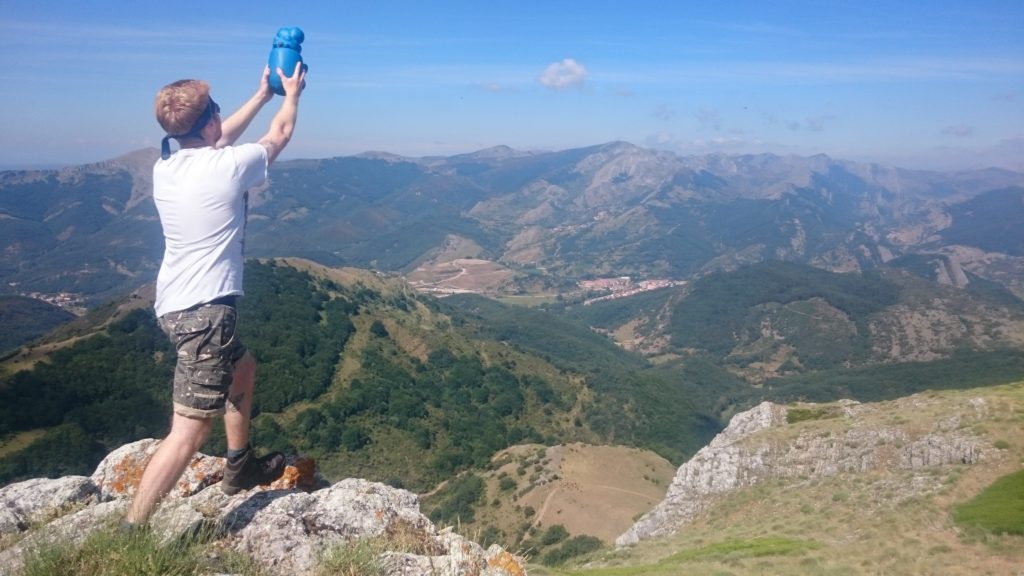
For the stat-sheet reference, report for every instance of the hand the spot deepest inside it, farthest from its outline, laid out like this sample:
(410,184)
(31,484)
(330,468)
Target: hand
(264,93)
(294,84)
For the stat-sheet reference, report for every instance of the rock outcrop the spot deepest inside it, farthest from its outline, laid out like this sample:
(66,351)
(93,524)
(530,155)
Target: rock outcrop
(286,526)
(761,445)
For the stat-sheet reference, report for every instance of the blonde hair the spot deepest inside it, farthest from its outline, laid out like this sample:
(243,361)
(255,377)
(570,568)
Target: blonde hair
(180,104)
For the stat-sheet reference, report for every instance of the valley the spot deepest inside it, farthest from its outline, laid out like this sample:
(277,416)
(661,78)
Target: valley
(535,343)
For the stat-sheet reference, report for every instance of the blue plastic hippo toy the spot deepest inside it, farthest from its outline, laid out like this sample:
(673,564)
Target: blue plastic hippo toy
(286,53)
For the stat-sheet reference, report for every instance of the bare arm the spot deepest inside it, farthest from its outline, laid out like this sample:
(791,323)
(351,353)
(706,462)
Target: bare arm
(283,123)
(233,126)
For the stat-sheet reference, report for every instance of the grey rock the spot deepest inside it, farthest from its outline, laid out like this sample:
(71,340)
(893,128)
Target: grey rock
(286,530)
(30,501)
(743,455)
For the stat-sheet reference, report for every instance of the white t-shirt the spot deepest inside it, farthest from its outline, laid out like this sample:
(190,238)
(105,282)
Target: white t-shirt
(200,194)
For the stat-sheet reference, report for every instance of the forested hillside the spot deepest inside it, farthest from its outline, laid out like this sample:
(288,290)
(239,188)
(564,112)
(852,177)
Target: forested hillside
(25,319)
(356,371)
(784,331)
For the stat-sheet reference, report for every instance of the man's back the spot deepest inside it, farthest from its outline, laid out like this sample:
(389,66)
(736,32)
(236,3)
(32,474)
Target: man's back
(200,196)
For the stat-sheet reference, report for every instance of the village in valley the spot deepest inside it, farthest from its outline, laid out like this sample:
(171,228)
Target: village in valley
(477,276)
(622,287)
(74,303)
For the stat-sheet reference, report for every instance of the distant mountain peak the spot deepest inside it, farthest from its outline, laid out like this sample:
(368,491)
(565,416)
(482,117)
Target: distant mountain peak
(385,156)
(620,146)
(499,152)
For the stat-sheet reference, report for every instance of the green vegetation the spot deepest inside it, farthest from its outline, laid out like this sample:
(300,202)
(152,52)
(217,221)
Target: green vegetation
(457,501)
(923,265)
(794,415)
(25,319)
(719,305)
(453,411)
(634,402)
(376,383)
(69,232)
(999,509)
(114,387)
(555,546)
(389,212)
(366,556)
(724,552)
(991,221)
(963,370)
(92,397)
(553,535)
(611,313)
(755,547)
(109,552)
(358,558)
(296,329)
(572,548)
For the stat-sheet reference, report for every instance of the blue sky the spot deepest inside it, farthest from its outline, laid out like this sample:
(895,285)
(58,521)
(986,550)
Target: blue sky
(929,84)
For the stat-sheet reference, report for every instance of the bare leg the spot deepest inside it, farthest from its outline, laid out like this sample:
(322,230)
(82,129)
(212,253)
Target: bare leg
(239,405)
(166,466)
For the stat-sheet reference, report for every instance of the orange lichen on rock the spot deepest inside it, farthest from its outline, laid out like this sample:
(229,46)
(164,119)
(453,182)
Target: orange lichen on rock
(128,474)
(307,473)
(508,563)
(301,474)
(288,480)
(202,471)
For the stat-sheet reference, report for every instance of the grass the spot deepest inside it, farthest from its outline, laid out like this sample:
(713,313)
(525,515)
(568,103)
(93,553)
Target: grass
(19,441)
(955,520)
(882,521)
(723,552)
(752,548)
(109,552)
(999,509)
(794,415)
(359,558)
(366,556)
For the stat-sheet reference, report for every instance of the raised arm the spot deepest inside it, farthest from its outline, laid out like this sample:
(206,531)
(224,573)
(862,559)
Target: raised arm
(233,126)
(283,123)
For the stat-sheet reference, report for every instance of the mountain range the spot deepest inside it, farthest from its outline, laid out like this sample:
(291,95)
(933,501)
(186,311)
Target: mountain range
(610,295)
(545,220)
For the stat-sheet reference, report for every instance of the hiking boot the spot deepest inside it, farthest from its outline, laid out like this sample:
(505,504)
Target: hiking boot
(249,471)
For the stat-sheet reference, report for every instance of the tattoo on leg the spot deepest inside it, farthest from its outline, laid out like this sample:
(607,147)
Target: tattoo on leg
(235,402)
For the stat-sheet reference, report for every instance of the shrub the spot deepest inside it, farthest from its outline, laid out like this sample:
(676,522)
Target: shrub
(458,500)
(794,415)
(998,509)
(554,535)
(572,548)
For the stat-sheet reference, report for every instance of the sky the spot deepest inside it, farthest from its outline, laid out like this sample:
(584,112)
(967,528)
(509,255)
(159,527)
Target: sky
(924,84)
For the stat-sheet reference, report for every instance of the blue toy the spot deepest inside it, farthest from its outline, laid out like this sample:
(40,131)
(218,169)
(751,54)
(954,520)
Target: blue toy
(286,53)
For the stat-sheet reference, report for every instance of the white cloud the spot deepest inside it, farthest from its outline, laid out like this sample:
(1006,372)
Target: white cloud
(564,75)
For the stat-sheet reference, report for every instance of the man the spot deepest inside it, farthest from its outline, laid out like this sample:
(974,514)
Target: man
(201,194)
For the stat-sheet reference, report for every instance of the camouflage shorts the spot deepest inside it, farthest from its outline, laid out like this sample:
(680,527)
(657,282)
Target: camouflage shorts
(208,348)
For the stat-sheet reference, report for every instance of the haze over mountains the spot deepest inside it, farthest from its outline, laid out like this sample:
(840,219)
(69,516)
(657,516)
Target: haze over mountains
(547,219)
